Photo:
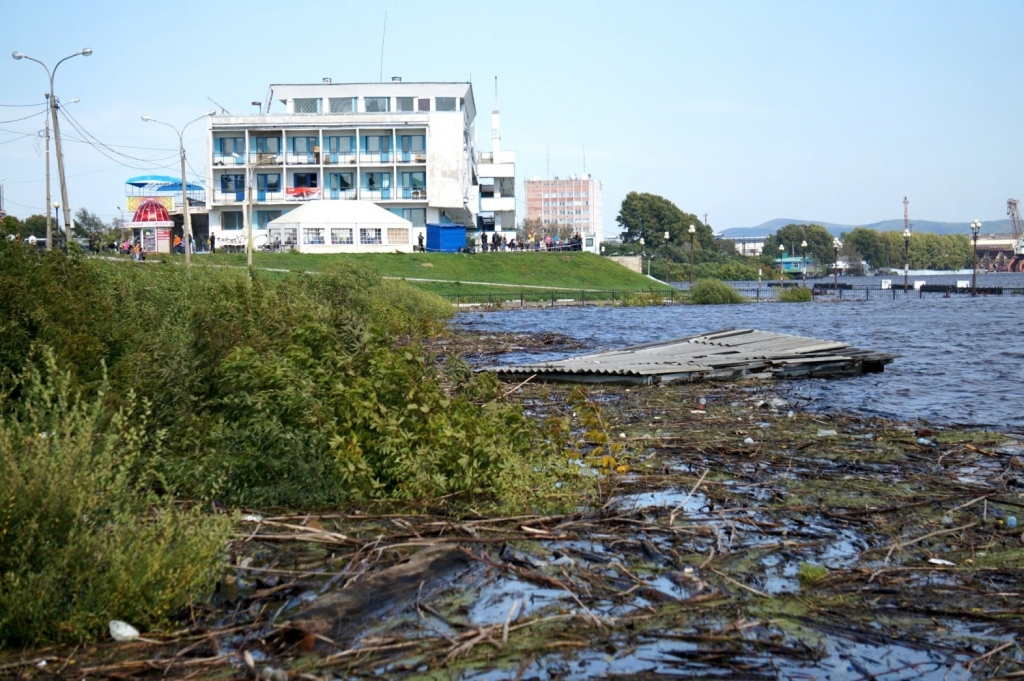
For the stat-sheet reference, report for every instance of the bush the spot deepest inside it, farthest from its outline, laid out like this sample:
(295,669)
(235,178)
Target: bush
(82,540)
(714,292)
(795,294)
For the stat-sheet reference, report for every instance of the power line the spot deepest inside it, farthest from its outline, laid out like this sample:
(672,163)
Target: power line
(24,118)
(39,104)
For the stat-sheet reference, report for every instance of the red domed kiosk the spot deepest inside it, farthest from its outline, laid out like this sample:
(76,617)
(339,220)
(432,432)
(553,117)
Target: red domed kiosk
(153,224)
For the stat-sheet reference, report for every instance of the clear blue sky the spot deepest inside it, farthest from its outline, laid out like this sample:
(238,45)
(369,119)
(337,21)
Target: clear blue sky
(746,111)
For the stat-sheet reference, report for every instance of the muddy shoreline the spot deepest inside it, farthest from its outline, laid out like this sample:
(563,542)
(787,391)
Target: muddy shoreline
(738,537)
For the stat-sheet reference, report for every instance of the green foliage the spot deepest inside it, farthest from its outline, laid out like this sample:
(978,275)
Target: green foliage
(926,250)
(795,294)
(714,292)
(820,249)
(649,216)
(83,538)
(87,224)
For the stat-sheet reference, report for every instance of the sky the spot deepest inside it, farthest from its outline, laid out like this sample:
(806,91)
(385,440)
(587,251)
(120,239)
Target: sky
(745,111)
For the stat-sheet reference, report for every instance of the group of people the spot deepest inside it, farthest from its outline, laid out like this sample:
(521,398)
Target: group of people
(533,242)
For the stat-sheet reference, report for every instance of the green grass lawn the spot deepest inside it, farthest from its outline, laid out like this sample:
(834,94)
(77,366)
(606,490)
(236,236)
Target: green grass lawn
(464,273)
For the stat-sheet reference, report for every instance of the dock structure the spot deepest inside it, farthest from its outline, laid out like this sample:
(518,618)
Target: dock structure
(725,354)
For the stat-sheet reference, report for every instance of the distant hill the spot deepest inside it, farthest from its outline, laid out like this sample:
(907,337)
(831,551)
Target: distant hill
(772,226)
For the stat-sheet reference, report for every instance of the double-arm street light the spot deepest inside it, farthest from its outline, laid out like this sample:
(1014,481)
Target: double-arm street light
(906,259)
(836,245)
(187,224)
(56,135)
(975,228)
(692,231)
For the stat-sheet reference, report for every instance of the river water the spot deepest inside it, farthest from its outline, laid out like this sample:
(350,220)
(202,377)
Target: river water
(962,358)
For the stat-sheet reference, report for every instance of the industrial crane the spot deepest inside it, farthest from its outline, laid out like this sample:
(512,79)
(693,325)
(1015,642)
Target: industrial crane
(1017,263)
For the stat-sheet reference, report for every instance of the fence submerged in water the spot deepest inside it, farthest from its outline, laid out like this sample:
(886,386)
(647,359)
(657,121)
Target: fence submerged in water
(770,292)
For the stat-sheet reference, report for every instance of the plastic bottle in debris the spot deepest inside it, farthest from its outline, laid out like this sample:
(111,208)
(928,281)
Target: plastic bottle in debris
(702,403)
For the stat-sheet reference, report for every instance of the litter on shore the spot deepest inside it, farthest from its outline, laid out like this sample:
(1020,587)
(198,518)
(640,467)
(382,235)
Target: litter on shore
(725,354)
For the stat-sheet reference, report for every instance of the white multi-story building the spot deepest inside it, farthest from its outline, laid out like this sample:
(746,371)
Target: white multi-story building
(576,202)
(407,147)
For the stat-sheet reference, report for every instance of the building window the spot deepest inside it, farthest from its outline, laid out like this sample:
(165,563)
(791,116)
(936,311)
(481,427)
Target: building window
(313,235)
(341,235)
(342,104)
(424,104)
(377,104)
(369,235)
(266,145)
(413,144)
(398,235)
(270,182)
(345,144)
(376,145)
(405,103)
(446,103)
(229,146)
(305,145)
(231,220)
(232,183)
(306,106)
(265,216)
(417,216)
(303,180)
(339,181)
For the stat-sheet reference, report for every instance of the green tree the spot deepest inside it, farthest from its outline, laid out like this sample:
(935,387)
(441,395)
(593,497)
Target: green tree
(88,224)
(34,225)
(819,244)
(649,216)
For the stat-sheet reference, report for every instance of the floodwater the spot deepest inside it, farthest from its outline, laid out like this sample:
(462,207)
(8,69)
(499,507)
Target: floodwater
(962,358)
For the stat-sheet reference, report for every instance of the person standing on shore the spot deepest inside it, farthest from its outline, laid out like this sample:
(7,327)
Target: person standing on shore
(213,242)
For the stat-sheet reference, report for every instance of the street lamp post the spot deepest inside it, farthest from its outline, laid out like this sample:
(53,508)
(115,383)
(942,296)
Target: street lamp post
(666,256)
(187,219)
(906,260)
(692,230)
(782,261)
(803,260)
(56,136)
(975,228)
(56,218)
(642,255)
(836,245)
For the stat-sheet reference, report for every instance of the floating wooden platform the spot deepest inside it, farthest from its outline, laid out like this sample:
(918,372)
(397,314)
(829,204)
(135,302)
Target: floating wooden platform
(726,354)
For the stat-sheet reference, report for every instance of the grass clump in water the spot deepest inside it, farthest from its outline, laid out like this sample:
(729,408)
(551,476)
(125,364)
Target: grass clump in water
(795,294)
(714,292)
(810,574)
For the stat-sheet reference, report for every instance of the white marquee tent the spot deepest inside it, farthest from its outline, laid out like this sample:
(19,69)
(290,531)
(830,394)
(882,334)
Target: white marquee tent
(341,227)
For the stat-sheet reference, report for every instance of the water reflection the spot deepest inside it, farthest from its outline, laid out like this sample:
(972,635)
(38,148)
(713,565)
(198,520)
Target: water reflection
(962,359)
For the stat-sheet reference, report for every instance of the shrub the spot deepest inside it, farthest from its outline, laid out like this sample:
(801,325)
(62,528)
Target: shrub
(714,292)
(82,541)
(795,294)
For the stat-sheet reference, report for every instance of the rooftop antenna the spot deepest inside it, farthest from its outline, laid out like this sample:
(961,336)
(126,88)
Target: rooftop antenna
(382,35)
(222,109)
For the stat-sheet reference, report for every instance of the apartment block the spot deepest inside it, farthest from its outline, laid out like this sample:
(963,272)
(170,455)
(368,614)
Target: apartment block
(576,202)
(407,147)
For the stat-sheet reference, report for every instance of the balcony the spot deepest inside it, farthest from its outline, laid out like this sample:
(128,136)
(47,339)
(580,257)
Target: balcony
(299,158)
(228,160)
(340,194)
(302,193)
(497,204)
(375,157)
(268,196)
(412,157)
(264,159)
(339,158)
(228,197)
(375,194)
(414,193)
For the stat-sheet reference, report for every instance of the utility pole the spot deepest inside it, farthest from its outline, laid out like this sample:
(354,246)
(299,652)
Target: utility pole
(49,223)
(60,169)
(906,245)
